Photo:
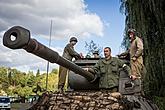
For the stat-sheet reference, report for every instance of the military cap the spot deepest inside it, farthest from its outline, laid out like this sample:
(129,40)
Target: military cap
(73,39)
(96,52)
(131,31)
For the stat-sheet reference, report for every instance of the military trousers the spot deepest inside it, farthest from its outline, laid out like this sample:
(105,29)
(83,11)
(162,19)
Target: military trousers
(62,76)
(136,68)
(139,70)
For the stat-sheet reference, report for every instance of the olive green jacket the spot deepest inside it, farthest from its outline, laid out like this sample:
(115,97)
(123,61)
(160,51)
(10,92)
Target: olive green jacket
(69,52)
(108,71)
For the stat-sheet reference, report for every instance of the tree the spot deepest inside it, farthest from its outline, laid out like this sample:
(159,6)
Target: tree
(54,71)
(91,47)
(38,73)
(4,83)
(148,18)
(31,80)
(15,82)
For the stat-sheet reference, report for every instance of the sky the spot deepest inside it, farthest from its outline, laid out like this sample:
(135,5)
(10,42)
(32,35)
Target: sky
(97,20)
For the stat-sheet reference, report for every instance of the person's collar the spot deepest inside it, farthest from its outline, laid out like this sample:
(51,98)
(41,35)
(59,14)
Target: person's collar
(108,58)
(71,45)
(107,61)
(133,39)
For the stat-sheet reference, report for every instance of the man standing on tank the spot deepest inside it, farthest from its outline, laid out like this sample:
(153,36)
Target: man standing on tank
(107,70)
(69,53)
(135,51)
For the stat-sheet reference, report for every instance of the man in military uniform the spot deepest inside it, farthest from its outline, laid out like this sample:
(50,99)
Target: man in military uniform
(96,54)
(135,51)
(107,70)
(68,53)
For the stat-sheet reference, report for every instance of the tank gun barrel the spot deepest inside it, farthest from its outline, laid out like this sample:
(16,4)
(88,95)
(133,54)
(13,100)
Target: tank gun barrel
(19,38)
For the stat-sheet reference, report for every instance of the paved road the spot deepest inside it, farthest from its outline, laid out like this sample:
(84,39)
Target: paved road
(20,106)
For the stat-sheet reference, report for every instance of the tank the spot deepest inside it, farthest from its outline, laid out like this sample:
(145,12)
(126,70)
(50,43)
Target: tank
(79,80)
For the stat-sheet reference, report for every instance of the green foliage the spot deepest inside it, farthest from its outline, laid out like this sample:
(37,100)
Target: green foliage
(91,47)
(147,17)
(160,101)
(38,73)
(17,83)
(3,74)
(23,91)
(55,71)
(52,80)
(4,84)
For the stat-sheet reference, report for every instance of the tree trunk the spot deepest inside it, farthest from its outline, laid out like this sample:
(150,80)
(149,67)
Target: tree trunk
(148,18)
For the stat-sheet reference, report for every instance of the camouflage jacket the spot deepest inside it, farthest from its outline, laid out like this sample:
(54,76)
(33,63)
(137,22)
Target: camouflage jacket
(108,72)
(69,52)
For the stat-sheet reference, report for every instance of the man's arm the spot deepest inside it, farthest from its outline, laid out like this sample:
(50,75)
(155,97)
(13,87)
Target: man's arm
(72,52)
(139,45)
(94,70)
(124,53)
(123,64)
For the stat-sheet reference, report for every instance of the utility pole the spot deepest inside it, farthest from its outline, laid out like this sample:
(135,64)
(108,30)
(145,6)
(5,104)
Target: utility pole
(48,61)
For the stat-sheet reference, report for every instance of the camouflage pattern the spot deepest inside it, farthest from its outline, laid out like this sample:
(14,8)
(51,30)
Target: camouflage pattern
(108,71)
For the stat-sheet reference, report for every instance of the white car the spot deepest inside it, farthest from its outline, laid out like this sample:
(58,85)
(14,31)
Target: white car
(5,103)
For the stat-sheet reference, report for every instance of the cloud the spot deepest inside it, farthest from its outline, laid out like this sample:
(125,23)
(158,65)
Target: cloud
(23,60)
(70,17)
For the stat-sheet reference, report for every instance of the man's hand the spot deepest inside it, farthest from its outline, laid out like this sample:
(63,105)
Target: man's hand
(134,58)
(133,77)
(81,55)
(86,69)
(120,56)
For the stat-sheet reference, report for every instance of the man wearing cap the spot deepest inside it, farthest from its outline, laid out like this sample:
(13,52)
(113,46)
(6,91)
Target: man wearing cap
(68,53)
(135,51)
(96,54)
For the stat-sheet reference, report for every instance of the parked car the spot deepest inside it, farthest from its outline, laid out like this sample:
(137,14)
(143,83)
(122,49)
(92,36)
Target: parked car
(5,103)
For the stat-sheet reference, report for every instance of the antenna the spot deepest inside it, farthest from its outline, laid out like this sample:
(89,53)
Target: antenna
(48,61)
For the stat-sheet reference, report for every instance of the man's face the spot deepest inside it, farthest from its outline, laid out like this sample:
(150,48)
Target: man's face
(73,43)
(131,36)
(107,53)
